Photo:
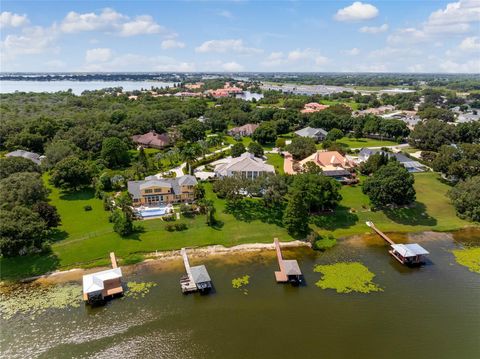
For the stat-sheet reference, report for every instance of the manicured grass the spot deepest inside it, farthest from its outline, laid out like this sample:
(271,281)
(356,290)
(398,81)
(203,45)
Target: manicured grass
(432,211)
(364,142)
(277,161)
(245,140)
(352,104)
(88,237)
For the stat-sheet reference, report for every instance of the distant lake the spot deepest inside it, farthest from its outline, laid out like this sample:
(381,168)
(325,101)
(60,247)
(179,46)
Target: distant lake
(77,86)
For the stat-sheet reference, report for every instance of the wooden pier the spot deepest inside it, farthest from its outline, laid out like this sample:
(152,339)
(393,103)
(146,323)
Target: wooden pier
(289,269)
(408,254)
(103,285)
(196,278)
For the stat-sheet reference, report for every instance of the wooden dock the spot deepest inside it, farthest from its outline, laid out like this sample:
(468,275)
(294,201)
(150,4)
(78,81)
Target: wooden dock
(186,282)
(289,269)
(196,278)
(102,285)
(380,233)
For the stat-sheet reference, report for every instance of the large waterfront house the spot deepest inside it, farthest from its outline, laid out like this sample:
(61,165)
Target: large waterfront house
(155,191)
(312,107)
(245,130)
(246,165)
(318,134)
(152,139)
(332,163)
(32,156)
(411,165)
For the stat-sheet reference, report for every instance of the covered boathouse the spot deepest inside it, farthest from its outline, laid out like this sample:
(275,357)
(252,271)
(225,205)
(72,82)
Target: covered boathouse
(99,286)
(196,278)
(289,269)
(409,254)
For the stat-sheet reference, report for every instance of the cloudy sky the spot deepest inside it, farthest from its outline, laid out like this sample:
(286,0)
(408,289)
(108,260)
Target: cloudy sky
(370,36)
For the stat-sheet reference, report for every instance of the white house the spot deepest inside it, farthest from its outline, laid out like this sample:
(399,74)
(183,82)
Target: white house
(246,165)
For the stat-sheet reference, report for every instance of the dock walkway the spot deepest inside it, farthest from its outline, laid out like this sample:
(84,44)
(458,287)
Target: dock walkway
(380,233)
(289,269)
(186,282)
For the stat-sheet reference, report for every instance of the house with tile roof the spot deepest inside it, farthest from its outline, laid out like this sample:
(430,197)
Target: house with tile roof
(313,107)
(156,190)
(333,164)
(245,130)
(246,165)
(152,139)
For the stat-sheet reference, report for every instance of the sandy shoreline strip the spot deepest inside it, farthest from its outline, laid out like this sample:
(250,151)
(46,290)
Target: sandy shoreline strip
(164,256)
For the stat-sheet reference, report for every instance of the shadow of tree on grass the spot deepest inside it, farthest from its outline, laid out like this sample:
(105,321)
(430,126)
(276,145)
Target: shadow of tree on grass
(414,216)
(339,218)
(248,210)
(82,195)
(20,267)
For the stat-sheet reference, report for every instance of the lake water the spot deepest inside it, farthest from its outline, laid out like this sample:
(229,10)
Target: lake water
(77,86)
(427,312)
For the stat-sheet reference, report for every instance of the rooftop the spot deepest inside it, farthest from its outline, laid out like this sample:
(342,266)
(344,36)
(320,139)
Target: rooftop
(409,250)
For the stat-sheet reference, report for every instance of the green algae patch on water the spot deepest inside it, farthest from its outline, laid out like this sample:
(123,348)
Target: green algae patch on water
(35,300)
(346,278)
(468,257)
(138,289)
(241,281)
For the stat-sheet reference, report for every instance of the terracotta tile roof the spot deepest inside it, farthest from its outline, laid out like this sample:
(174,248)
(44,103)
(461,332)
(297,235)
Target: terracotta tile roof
(152,139)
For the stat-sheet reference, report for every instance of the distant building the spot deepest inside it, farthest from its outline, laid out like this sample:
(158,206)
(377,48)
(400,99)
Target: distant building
(333,164)
(410,164)
(246,165)
(155,191)
(377,110)
(152,139)
(32,156)
(313,107)
(318,134)
(245,130)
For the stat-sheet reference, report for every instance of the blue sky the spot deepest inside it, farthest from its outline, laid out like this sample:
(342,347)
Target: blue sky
(367,36)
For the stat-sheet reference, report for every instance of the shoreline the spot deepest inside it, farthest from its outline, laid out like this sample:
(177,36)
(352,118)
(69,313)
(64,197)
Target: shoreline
(161,257)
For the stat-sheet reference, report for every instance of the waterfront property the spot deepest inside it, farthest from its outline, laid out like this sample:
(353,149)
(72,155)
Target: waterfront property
(245,130)
(318,134)
(103,285)
(313,107)
(196,278)
(155,191)
(411,165)
(152,139)
(289,269)
(333,164)
(32,156)
(246,165)
(408,254)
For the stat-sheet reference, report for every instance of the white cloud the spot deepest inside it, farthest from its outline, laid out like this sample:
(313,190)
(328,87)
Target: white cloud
(416,68)
(305,59)
(32,40)
(98,55)
(133,62)
(232,66)
(471,66)
(225,13)
(8,19)
(172,44)
(455,18)
(352,52)
(358,11)
(374,29)
(141,25)
(109,20)
(229,45)
(471,43)
(55,64)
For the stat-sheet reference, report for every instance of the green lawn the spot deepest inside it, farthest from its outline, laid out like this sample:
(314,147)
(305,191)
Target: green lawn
(364,142)
(277,161)
(352,104)
(86,238)
(432,211)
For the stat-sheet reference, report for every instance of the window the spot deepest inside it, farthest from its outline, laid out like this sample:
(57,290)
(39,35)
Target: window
(158,190)
(148,191)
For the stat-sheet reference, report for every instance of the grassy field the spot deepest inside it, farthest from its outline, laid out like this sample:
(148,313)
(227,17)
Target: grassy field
(86,237)
(352,104)
(277,161)
(432,211)
(364,142)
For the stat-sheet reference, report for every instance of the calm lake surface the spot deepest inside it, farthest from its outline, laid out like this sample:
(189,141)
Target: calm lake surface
(429,312)
(77,86)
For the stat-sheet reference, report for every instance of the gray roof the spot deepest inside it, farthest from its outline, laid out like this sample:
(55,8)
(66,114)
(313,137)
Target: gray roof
(311,132)
(134,187)
(244,163)
(367,152)
(35,157)
(200,274)
(291,267)
(409,250)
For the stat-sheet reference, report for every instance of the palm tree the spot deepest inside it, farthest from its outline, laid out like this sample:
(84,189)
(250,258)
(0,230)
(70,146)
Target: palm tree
(189,154)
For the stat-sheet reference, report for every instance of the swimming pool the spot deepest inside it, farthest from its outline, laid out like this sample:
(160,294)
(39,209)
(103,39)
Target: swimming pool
(152,212)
